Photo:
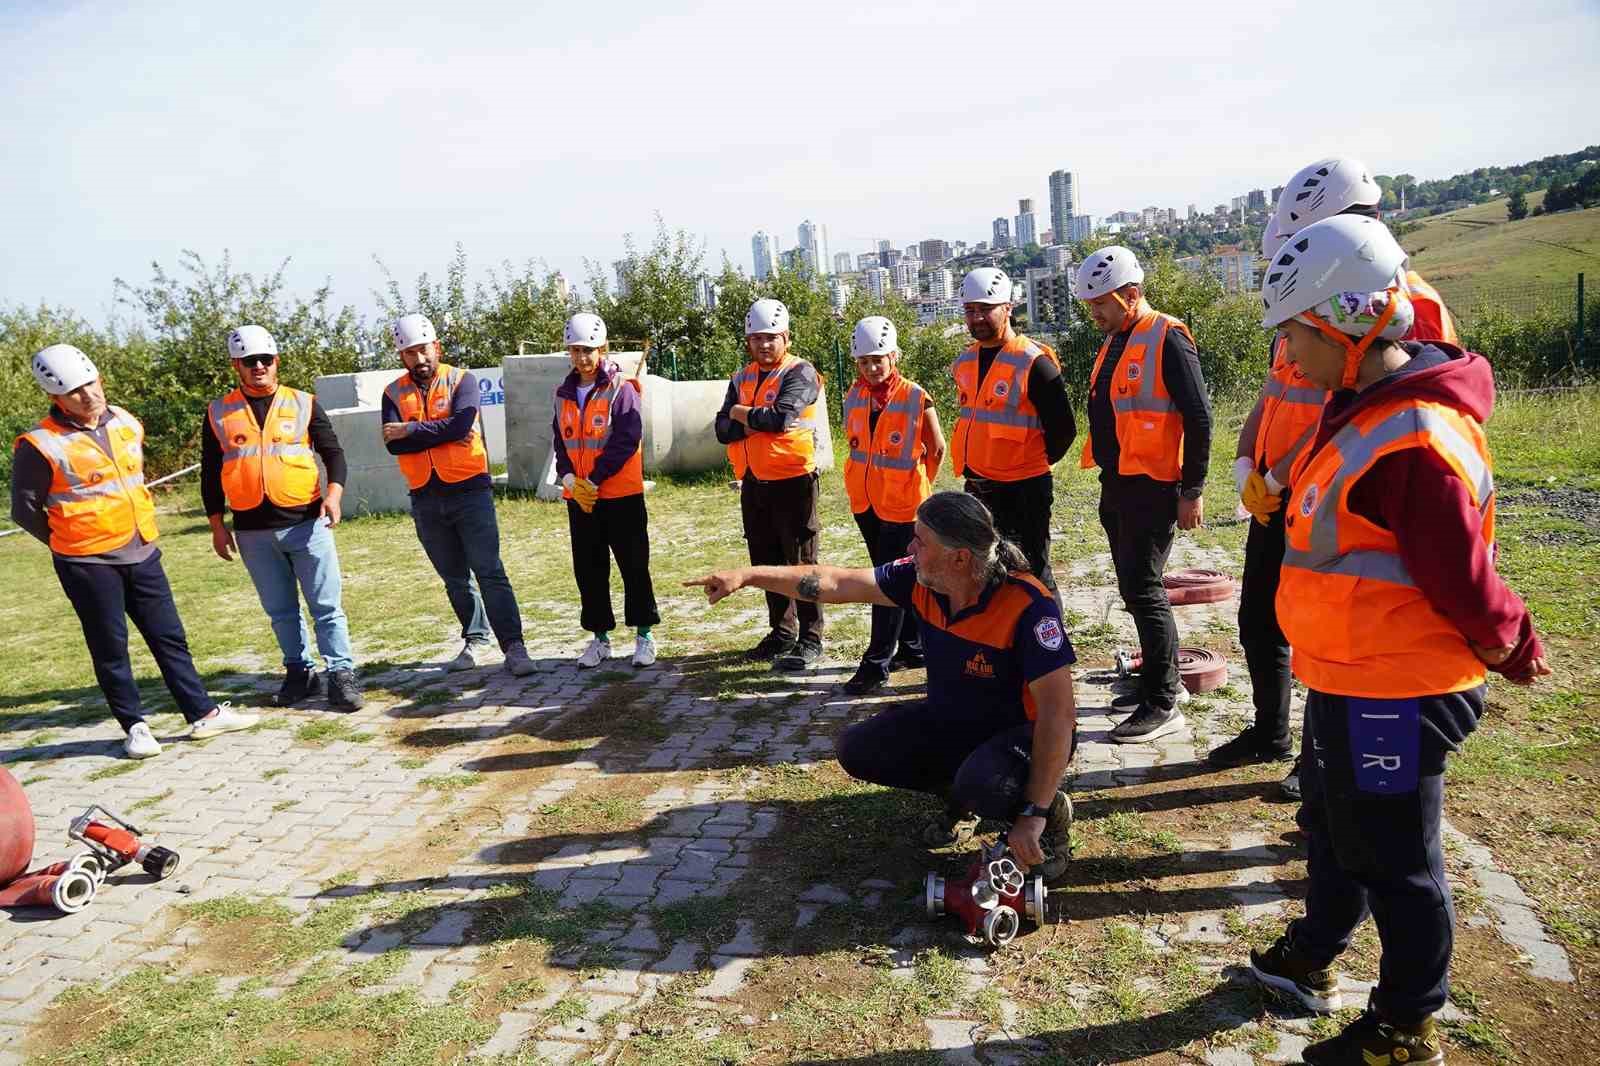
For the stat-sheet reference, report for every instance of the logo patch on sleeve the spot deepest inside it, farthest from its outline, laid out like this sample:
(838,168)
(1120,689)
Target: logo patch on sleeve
(1047,631)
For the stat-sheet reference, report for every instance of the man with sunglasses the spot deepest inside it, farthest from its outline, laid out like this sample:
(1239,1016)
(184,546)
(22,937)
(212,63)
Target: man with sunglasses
(258,459)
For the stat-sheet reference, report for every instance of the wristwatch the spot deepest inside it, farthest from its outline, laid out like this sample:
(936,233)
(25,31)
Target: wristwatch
(1033,810)
(1194,493)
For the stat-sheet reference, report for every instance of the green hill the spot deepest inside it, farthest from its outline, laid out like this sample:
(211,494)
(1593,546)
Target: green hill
(1475,253)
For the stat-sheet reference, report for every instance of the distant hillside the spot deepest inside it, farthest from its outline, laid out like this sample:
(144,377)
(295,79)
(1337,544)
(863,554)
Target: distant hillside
(1476,253)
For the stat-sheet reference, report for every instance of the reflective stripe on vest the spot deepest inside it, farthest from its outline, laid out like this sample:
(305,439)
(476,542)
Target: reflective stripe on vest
(270,461)
(96,501)
(1003,441)
(774,456)
(1288,410)
(453,461)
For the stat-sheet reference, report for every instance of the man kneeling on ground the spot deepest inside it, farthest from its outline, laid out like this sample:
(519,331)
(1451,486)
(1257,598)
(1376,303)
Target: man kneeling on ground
(996,733)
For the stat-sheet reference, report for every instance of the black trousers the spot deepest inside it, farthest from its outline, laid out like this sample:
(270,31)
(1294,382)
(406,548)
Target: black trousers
(1266,650)
(1140,516)
(781,527)
(105,596)
(977,765)
(1372,772)
(892,627)
(617,527)
(1021,512)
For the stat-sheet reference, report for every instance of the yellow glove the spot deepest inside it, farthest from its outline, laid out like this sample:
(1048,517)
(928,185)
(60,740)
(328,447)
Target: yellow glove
(585,492)
(1259,499)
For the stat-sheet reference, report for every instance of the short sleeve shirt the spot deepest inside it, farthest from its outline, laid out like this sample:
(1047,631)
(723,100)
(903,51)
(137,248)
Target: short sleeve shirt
(988,654)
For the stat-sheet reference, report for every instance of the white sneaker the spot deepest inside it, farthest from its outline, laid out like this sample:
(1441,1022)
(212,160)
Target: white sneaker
(518,662)
(222,720)
(597,651)
(644,651)
(469,657)
(140,744)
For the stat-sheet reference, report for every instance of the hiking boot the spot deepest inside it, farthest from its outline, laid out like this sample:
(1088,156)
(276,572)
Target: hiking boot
(344,691)
(222,719)
(1284,968)
(597,652)
(803,656)
(1369,1040)
(469,657)
(301,682)
(947,830)
(1251,746)
(140,743)
(908,659)
(1289,787)
(1056,840)
(518,662)
(772,645)
(1148,723)
(867,678)
(644,650)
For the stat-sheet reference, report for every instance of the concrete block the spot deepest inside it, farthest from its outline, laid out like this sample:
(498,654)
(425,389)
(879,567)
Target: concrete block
(375,485)
(366,390)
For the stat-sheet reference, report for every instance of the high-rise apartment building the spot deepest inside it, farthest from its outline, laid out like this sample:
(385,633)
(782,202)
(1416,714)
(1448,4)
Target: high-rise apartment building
(1063,201)
(1258,200)
(841,263)
(1002,234)
(813,243)
(941,284)
(764,250)
(867,260)
(877,281)
(905,275)
(1026,230)
(1277,194)
(934,251)
(1057,257)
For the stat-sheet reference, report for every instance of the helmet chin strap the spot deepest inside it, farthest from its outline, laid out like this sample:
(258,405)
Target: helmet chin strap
(1129,307)
(1353,353)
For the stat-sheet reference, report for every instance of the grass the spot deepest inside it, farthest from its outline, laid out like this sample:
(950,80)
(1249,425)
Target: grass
(448,783)
(1477,250)
(328,730)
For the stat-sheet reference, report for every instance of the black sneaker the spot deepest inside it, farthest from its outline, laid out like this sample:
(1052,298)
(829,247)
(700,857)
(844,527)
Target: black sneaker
(867,678)
(906,659)
(344,691)
(949,829)
(802,656)
(298,684)
(1147,723)
(1249,747)
(1056,840)
(772,645)
(1289,787)
(1283,968)
(1369,1039)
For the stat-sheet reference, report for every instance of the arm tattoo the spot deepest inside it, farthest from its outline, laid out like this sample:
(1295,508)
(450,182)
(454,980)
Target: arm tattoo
(810,587)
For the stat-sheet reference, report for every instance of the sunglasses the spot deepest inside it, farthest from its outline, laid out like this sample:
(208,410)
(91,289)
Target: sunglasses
(253,361)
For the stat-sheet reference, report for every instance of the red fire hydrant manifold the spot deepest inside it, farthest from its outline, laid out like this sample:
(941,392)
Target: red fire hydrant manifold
(991,898)
(68,886)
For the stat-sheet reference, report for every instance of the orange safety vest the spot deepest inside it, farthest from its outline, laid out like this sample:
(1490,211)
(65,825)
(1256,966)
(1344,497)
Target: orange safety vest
(1357,622)
(774,456)
(1290,405)
(884,470)
(96,500)
(272,461)
(998,434)
(1433,322)
(454,461)
(1149,425)
(585,431)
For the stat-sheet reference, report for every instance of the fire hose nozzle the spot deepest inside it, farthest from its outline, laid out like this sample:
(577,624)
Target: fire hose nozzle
(933,894)
(1000,926)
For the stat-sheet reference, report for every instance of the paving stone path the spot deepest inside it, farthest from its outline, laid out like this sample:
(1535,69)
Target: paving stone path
(255,815)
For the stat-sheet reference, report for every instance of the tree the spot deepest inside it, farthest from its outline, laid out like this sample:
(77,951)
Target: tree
(1517,206)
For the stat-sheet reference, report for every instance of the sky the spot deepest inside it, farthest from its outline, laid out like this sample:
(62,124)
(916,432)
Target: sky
(329,135)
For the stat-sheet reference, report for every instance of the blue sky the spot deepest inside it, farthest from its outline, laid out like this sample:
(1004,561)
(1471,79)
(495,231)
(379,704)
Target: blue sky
(330,133)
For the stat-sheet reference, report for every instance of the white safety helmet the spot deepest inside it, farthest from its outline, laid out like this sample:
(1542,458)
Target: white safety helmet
(250,340)
(411,330)
(1108,270)
(874,335)
(585,330)
(986,285)
(767,316)
(1322,190)
(61,368)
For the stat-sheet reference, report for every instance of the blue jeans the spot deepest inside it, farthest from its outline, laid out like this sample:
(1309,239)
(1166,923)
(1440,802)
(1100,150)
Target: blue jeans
(278,558)
(461,536)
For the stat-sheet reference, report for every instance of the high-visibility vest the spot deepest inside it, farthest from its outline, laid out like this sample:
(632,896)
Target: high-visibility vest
(774,456)
(884,470)
(585,431)
(998,434)
(453,461)
(1433,322)
(271,461)
(1290,405)
(97,500)
(1357,622)
(1149,425)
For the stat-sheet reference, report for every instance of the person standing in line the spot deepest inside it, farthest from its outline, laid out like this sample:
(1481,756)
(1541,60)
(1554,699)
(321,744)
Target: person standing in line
(599,435)
(1014,422)
(896,447)
(258,450)
(1150,435)
(78,486)
(768,421)
(432,426)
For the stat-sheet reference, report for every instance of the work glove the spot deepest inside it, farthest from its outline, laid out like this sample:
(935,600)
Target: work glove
(586,493)
(1259,498)
(1243,467)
